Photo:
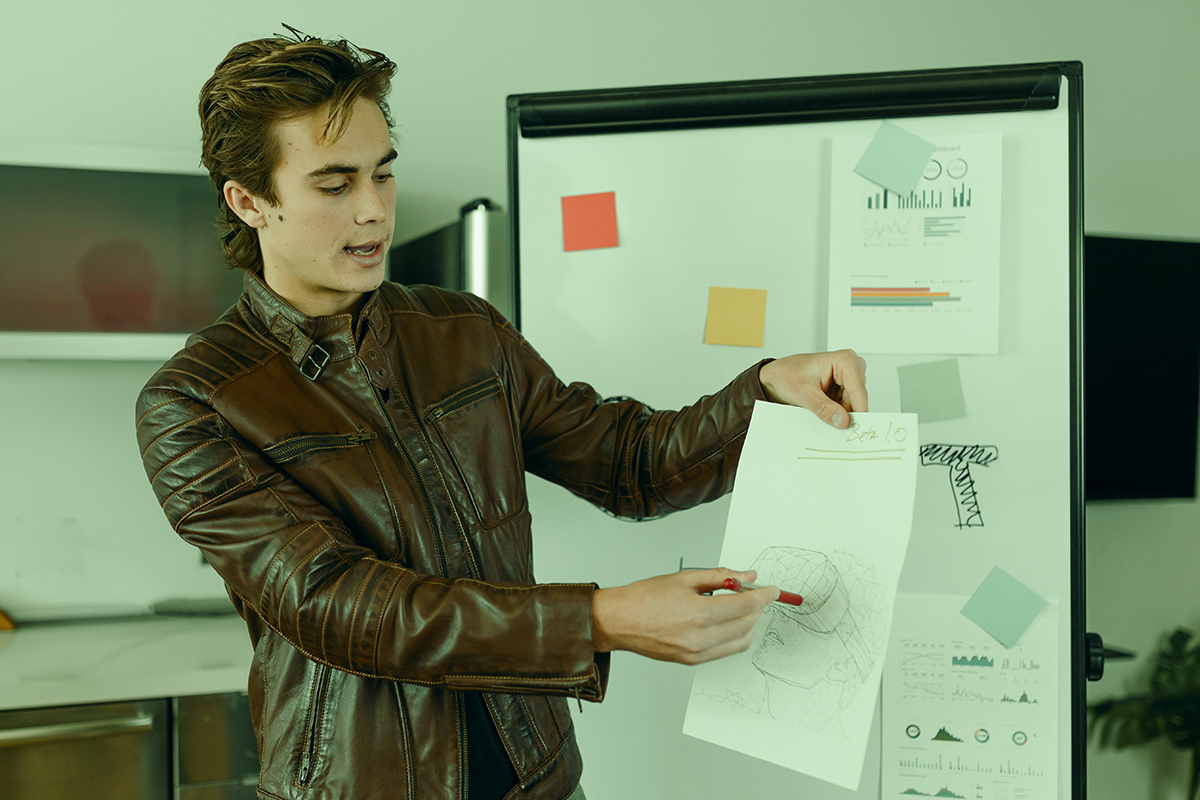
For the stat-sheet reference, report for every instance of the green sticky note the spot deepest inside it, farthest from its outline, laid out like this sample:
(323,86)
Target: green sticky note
(1003,606)
(895,159)
(932,391)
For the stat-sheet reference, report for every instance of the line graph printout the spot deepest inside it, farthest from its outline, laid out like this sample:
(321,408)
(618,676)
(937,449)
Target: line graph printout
(917,272)
(964,716)
(825,514)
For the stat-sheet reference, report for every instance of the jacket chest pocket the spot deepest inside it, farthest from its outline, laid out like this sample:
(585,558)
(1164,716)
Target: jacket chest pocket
(475,428)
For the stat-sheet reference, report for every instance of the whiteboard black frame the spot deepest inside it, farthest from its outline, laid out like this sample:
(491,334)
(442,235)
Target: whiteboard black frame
(970,90)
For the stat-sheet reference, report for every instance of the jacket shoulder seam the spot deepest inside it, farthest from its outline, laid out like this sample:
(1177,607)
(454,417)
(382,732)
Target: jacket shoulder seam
(179,396)
(199,478)
(179,427)
(185,453)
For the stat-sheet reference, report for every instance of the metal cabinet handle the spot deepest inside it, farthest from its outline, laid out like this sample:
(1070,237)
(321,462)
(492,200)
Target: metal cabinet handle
(139,723)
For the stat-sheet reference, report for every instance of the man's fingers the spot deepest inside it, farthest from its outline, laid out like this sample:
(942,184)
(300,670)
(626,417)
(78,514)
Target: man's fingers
(855,399)
(723,608)
(727,638)
(830,412)
(668,618)
(851,377)
(710,580)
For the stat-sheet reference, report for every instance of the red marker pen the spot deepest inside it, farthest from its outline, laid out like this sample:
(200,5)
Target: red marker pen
(734,585)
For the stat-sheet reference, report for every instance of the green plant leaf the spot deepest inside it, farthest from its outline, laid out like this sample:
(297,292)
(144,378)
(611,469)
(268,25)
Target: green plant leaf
(1171,708)
(1125,722)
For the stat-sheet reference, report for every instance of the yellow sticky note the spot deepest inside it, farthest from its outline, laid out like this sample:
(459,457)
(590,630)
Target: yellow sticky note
(736,316)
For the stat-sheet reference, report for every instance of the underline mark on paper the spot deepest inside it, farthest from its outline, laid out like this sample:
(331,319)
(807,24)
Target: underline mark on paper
(851,455)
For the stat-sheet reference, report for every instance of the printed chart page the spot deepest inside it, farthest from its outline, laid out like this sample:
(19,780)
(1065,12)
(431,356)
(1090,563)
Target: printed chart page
(964,716)
(825,514)
(917,272)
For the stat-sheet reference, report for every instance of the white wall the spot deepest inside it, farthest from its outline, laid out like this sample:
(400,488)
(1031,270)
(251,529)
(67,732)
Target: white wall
(110,81)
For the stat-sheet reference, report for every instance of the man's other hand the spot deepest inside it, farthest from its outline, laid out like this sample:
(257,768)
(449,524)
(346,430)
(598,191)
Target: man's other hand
(827,384)
(670,618)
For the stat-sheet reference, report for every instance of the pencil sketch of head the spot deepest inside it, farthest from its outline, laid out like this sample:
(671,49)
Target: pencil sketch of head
(816,655)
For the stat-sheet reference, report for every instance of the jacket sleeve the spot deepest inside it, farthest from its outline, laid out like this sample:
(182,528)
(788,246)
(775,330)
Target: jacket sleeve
(300,570)
(620,455)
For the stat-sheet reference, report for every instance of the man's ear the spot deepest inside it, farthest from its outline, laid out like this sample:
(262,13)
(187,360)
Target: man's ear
(251,209)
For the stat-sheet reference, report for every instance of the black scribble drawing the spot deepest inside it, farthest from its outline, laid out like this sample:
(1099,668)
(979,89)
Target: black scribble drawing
(959,458)
(815,657)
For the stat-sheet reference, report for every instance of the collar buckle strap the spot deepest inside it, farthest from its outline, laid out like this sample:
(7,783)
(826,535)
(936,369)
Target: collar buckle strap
(314,362)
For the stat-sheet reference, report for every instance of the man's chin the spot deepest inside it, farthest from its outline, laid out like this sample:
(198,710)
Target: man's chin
(373,284)
(366,280)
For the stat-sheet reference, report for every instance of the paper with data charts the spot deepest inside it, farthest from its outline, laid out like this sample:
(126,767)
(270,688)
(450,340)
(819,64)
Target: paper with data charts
(963,715)
(917,271)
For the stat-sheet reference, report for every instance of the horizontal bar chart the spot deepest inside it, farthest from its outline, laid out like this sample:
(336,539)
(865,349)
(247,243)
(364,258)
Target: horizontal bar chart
(898,296)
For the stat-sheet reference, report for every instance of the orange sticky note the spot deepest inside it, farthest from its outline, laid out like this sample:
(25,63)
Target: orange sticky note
(736,316)
(589,221)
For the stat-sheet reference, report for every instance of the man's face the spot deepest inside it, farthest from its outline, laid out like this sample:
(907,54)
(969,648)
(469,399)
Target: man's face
(324,244)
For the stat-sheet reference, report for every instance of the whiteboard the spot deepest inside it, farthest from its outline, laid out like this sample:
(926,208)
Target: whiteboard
(702,203)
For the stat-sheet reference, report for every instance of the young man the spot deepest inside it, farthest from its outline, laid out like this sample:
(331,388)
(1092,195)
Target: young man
(349,454)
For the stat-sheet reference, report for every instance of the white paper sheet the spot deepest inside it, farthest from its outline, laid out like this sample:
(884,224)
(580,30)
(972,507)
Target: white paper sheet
(917,273)
(825,514)
(964,716)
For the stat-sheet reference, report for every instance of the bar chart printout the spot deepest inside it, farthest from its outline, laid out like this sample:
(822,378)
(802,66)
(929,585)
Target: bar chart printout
(963,716)
(899,296)
(917,271)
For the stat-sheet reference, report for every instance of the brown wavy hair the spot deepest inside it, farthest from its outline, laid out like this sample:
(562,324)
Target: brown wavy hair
(266,81)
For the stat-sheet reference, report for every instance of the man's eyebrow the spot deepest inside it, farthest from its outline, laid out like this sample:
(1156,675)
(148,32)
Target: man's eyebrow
(345,169)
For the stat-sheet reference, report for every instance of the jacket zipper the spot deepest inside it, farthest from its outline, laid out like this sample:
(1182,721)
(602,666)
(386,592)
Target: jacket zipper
(309,758)
(406,734)
(477,393)
(464,769)
(412,464)
(304,444)
(427,498)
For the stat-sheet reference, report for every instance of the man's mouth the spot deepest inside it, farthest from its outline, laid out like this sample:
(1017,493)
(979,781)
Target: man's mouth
(364,250)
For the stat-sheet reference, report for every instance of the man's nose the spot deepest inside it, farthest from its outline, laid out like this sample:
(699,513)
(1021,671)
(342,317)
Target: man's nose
(372,205)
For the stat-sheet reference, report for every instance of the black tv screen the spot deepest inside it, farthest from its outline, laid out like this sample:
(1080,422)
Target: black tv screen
(1141,367)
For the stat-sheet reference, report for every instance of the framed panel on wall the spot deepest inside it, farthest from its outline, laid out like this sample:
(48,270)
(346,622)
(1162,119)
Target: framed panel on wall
(98,263)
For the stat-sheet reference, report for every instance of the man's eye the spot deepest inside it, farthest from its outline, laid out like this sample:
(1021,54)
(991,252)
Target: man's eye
(384,178)
(334,189)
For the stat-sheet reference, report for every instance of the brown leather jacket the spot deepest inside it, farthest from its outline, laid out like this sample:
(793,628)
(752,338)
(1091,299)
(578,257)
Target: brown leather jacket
(359,485)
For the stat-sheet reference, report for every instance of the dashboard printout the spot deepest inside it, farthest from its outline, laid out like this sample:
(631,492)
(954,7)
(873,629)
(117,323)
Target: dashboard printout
(917,272)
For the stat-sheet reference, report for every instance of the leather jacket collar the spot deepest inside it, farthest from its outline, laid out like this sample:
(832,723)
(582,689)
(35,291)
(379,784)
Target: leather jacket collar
(313,342)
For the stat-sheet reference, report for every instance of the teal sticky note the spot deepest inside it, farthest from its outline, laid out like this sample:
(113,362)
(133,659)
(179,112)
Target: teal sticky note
(1003,606)
(895,159)
(932,391)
